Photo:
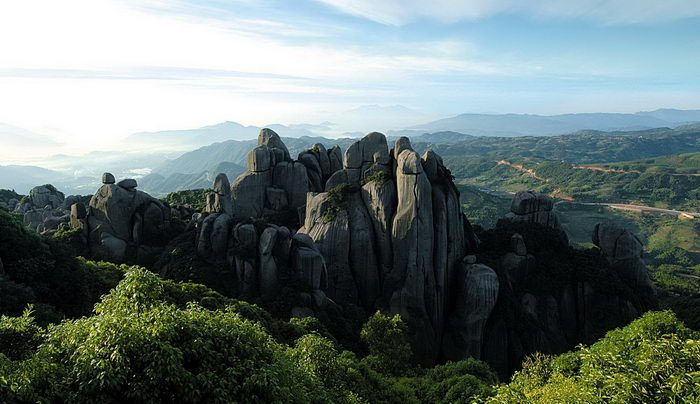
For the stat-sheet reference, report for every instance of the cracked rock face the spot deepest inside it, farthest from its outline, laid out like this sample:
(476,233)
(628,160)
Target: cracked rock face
(390,228)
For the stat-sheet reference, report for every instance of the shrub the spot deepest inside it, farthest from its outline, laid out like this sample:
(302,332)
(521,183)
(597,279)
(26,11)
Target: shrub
(139,348)
(387,341)
(652,360)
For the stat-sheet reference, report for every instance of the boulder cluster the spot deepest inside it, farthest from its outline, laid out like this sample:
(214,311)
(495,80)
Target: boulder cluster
(541,308)
(390,228)
(381,228)
(45,209)
(275,183)
(123,224)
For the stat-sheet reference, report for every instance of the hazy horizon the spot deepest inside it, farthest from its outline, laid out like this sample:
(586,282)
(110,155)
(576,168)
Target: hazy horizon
(87,74)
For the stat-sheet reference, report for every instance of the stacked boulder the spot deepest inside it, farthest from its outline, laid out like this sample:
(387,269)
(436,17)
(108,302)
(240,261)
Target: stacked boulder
(275,183)
(390,228)
(123,224)
(533,207)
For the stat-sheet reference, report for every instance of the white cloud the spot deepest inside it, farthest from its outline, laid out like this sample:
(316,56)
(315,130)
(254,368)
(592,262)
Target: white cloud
(94,70)
(399,12)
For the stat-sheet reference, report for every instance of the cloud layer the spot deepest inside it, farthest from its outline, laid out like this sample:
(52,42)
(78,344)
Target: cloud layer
(399,12)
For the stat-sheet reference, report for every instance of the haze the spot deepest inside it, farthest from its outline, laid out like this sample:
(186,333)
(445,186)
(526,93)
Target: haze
(83,75)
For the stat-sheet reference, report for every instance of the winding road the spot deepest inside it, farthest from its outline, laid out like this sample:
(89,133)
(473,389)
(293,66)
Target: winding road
(641,208)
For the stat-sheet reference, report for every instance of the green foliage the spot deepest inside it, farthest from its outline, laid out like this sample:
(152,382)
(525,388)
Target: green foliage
(194,198)
(44,272)
(336,202)
(74,239)
(453,382)
(139,348)
(19,336)
(388,344)
(584,147)
(378,178)
(652,360)
(482,208)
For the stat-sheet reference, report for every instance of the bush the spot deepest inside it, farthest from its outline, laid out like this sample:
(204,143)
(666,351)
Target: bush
(19,336)
(652,360)
(388,344)
(138,348)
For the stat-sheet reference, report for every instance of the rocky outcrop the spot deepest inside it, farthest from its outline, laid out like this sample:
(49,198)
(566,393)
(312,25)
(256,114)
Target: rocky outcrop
(551,296)
(382,229)
(122,224)
(274,183)
(45,209)
(532,207)
(391,231)
(219,200)
(263,257)
(477,289)
(623,251)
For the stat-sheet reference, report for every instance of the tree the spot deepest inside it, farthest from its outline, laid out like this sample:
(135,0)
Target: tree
(388,344)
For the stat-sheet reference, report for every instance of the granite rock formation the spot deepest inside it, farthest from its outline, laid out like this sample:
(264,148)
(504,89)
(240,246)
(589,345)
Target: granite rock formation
(392,234)
(552,296)
(45,209)
(123,224)
(380,228)
(274,183)
(623,251)
(532,207)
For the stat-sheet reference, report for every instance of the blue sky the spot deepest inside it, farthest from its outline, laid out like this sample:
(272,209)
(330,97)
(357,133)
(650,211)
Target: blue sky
(92,71)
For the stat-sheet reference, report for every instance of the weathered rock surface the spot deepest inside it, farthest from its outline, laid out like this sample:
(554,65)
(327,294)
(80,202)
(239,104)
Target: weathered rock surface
(532,207)
(44,209)
(477,289)
(391,238)
(219,200)
(623,250)
(122,223)
(271,171)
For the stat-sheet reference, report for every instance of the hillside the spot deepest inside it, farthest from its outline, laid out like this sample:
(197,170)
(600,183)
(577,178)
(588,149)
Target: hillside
(677,164)
(327,304)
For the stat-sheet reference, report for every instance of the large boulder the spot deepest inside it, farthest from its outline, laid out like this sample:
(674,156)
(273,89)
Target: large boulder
(533,207)
(46,195)
(271,139)
(124,224)
(219,200)
(477,292)
(623,251)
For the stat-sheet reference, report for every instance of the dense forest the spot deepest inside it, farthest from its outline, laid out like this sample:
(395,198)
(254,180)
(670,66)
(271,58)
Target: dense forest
(147,339)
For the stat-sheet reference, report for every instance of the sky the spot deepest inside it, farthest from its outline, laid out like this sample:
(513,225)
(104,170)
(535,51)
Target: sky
(90,72)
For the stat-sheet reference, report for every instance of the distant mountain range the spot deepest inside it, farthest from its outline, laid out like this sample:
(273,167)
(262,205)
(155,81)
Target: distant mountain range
(540,125)
(224,146)
(220,132)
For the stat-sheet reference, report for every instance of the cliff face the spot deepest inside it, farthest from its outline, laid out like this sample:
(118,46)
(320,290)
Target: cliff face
(391,231)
